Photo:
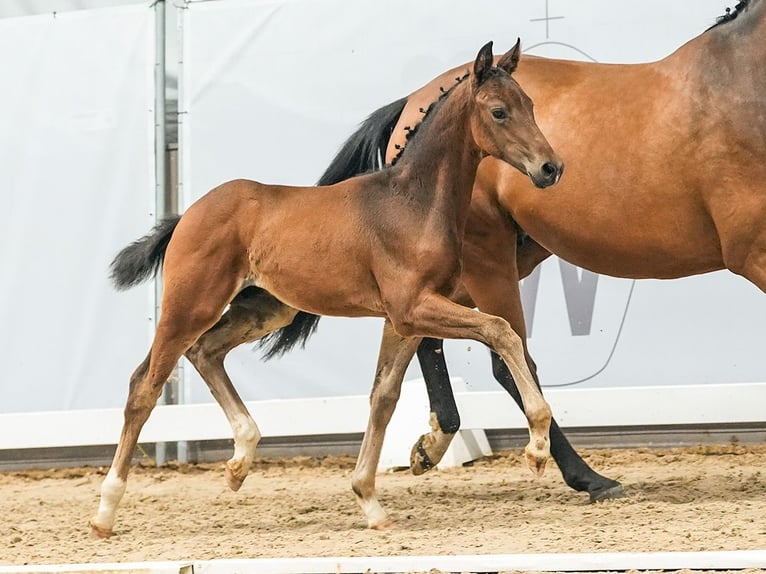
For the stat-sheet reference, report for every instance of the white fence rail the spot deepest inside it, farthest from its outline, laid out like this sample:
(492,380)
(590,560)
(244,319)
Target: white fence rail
(637,406)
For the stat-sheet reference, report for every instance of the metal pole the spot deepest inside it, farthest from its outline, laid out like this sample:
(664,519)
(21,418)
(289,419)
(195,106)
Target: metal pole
(160,201)
(181,383)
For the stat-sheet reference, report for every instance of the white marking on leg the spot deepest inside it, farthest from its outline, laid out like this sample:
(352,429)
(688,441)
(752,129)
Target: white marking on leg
(376,516)
(112,490)
(246,437)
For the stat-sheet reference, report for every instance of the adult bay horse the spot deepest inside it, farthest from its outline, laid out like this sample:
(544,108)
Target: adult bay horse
(666,172)
(391,240)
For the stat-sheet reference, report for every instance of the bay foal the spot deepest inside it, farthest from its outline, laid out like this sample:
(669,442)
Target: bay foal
(387,244)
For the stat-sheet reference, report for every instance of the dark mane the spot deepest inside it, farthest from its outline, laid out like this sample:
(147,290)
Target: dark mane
(426,113)
(731,14)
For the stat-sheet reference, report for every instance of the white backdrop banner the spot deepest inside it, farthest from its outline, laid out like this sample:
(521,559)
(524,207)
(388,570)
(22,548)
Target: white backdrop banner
(77,184)
(270,89)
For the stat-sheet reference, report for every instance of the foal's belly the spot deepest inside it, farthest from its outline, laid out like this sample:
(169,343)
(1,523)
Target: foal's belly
(320,288)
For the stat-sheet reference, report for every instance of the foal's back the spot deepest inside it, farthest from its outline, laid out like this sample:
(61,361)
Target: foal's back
(311,244)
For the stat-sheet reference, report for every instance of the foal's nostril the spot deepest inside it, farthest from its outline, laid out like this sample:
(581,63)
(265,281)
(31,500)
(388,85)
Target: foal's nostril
(549,170)
(547,174)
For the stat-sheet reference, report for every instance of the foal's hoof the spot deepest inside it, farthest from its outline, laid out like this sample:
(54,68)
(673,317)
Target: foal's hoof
(536,460)
(611,493)
(234,482)
(385,524)
(99,532)
(420,462)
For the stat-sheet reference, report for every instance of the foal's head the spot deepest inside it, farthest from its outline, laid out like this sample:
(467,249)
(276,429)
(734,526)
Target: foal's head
(502,122)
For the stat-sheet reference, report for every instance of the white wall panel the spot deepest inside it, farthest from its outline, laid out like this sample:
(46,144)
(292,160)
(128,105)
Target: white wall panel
(76,184)
(270,89)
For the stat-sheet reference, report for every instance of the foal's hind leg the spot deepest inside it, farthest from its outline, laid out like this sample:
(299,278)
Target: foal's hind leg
(395,355)
(252,314)
(185,316)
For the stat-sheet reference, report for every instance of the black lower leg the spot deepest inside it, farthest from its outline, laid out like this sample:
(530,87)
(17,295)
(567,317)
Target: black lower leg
(440,395)
(576,472)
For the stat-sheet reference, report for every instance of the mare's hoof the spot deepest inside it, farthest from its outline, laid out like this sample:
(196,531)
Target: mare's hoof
(98,532)
(385,524)
(611,493)
(420,462)
(234,481)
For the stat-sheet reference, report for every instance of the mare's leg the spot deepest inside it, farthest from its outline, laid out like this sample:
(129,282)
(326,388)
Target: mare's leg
(395,355)
(445,419)
(252,314)
(185,316)
(576,472)
(493,282)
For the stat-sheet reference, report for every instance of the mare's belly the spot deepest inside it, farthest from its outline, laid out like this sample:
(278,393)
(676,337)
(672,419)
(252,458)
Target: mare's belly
(623,239)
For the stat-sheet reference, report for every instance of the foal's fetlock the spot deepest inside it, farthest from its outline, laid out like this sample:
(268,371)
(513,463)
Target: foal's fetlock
(236,472)
(428,451)
(538,450)
(377,518)
(537,453)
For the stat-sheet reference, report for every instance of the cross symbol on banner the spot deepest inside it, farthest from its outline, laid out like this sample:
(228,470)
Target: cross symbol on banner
(547,20)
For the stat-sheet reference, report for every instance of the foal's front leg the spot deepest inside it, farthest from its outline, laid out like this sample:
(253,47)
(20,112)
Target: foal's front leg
(393,359)
(252,314)
(434,315)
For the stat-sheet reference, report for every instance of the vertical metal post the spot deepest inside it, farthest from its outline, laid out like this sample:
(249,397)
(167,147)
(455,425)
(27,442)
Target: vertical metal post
(160,200)
(182,392)
(181,180)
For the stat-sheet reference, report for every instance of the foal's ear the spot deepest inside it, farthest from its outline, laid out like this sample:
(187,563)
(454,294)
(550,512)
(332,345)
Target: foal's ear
(483,64)
(510,59)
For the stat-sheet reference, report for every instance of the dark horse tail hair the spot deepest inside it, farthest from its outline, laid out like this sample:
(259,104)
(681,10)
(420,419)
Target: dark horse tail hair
(142,259)
(363,151)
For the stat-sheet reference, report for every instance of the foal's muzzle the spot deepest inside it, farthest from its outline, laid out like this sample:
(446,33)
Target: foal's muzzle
(548,174)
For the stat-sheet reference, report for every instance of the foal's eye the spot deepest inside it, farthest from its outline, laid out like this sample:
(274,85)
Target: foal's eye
(499,114)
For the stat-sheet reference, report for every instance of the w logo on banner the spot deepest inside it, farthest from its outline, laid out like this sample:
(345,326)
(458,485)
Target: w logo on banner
(574,319)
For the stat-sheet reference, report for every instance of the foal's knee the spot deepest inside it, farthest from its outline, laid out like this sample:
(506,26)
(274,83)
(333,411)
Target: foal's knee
(502,337)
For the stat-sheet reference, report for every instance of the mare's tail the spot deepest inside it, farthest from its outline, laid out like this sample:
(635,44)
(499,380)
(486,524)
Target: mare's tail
(141,259)
(363,151)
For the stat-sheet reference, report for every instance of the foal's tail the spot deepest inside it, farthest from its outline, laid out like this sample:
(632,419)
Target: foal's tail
(142,258)
(363,151)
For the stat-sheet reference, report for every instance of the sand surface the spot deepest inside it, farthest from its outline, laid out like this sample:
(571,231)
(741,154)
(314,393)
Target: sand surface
(693,499)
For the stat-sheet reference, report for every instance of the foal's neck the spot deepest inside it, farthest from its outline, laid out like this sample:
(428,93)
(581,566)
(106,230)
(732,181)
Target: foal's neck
(439,163)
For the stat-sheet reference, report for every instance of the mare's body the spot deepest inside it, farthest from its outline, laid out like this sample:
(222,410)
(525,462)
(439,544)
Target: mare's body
(666,178)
